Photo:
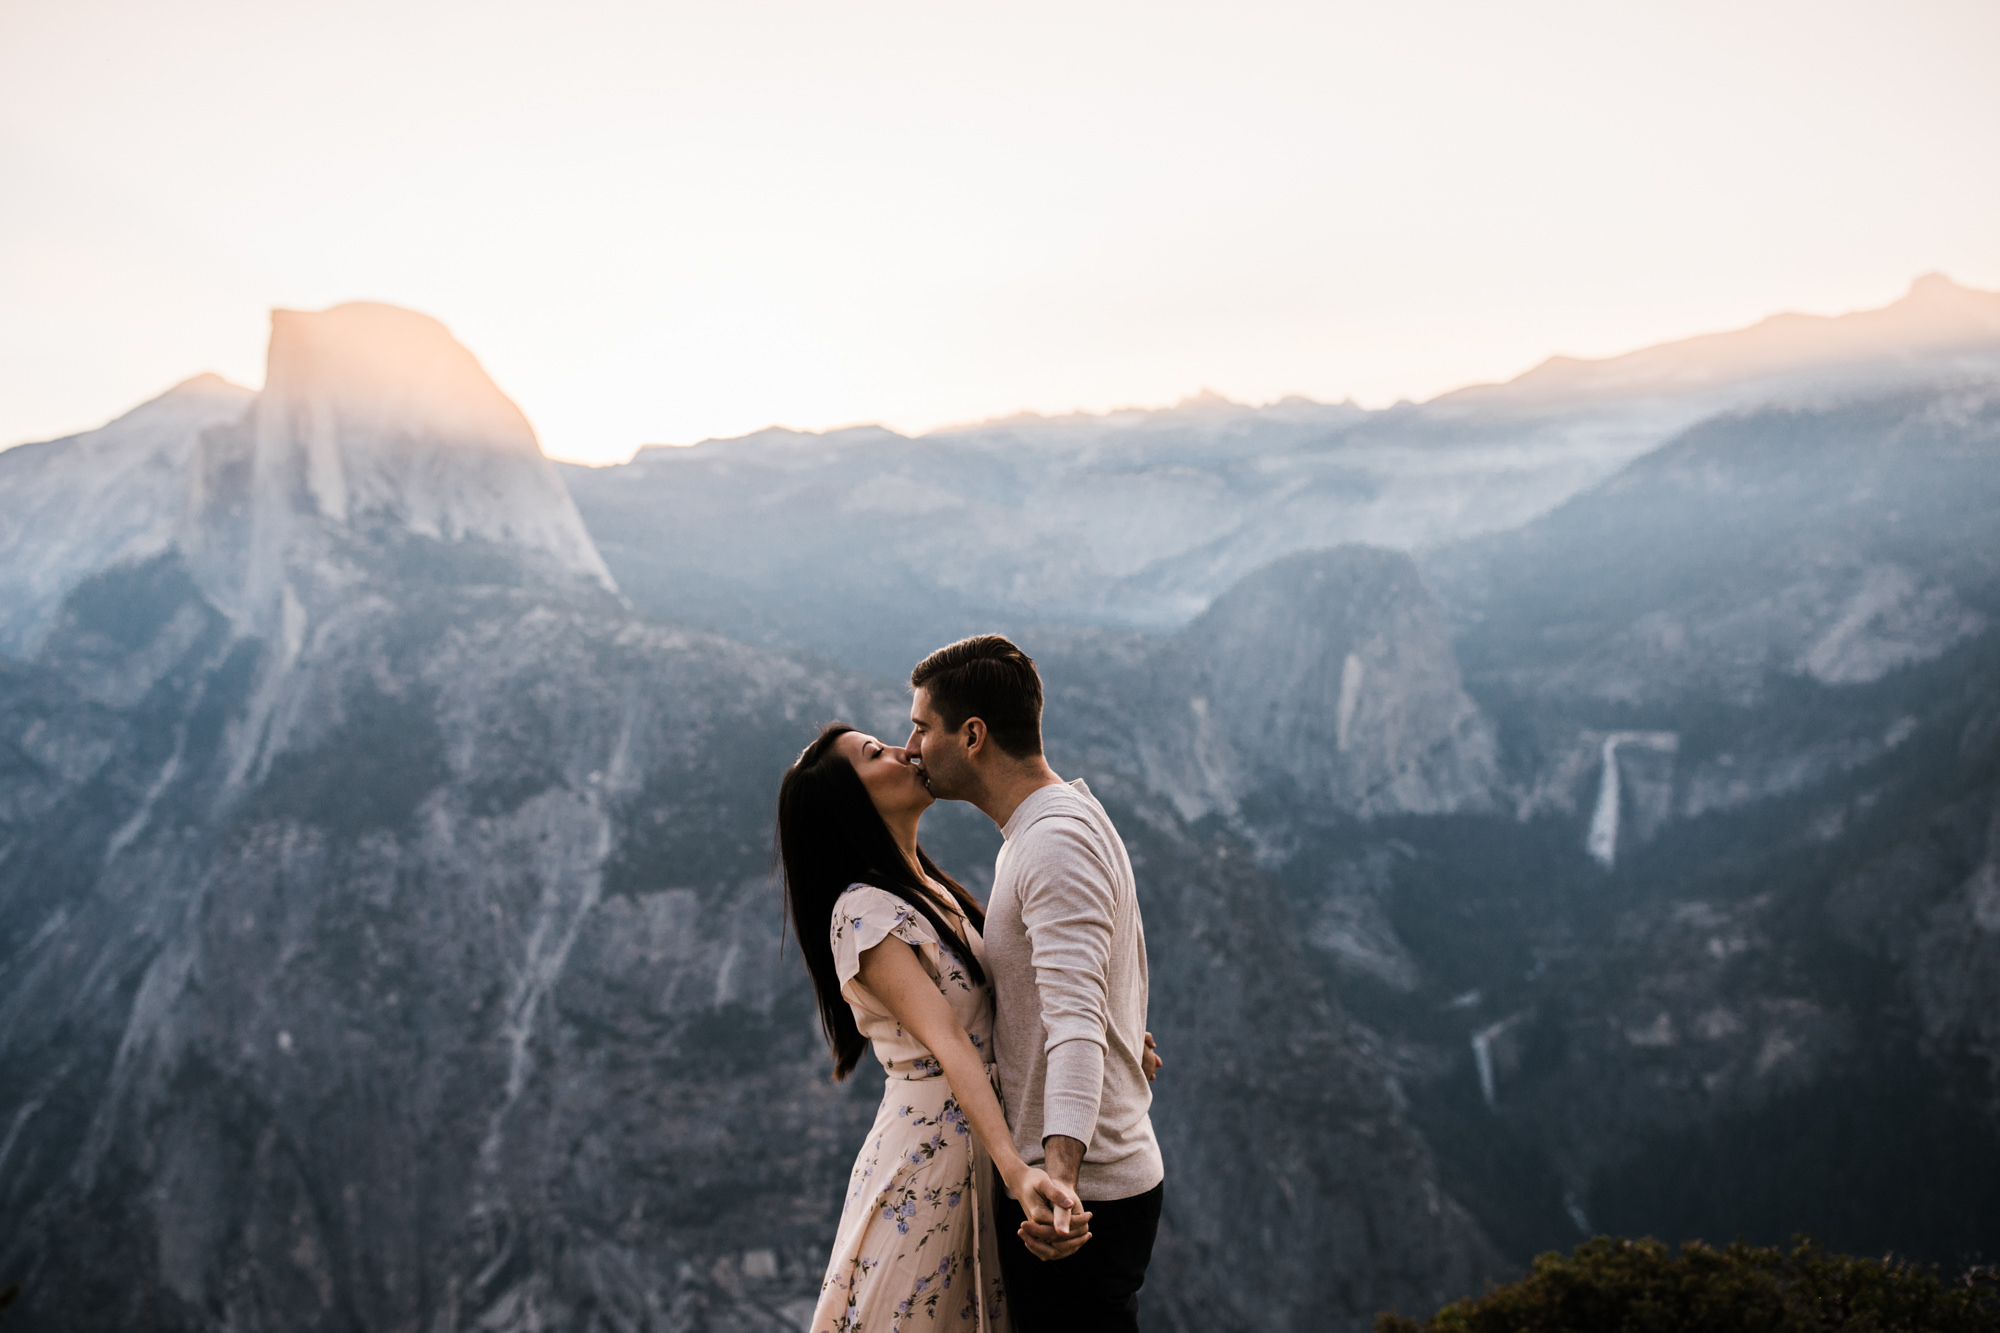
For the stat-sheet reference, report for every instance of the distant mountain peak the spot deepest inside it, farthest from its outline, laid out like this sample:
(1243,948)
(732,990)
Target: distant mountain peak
(208,384)
(1937,293)
(1205,399)
(1935,318)
(1930,286)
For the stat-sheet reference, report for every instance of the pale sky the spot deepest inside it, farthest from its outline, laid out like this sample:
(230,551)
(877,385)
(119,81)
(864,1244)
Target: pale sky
(655,222)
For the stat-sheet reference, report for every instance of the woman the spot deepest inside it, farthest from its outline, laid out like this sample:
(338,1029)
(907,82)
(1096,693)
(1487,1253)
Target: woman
(893,947)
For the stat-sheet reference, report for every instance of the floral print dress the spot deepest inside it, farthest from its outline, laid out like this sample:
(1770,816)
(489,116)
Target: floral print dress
(915,1250)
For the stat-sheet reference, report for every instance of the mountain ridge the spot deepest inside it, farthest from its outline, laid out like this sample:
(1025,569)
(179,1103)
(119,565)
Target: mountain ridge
(1934,316)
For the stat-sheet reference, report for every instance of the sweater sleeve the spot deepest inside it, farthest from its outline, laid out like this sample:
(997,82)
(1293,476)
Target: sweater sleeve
(1067,901)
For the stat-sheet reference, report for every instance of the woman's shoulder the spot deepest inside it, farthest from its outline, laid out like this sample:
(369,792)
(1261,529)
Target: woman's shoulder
(860,897)
(864,916)
(877,912)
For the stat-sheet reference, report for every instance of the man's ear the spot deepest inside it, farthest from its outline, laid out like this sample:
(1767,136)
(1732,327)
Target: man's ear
(974,731)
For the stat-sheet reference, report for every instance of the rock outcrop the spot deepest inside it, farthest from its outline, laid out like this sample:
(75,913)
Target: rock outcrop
(373,423)
(71,507)
(1326,680)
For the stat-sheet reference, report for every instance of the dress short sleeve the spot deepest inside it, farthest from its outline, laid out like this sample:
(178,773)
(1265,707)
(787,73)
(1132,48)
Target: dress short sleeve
(863,917)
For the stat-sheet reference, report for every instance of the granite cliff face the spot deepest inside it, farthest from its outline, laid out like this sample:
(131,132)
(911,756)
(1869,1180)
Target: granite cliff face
(374,427)
(465,1008)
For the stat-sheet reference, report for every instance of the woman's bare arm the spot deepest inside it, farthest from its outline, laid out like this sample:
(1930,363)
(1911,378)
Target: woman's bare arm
(893,975)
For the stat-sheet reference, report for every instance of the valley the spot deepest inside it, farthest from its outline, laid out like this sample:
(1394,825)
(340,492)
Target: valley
(1563,807)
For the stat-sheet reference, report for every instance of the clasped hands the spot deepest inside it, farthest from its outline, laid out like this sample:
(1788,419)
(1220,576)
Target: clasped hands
(1056,1224)
(1048,1202)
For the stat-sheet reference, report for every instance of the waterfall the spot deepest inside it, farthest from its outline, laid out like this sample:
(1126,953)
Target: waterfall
(1482,1056)
(1351,675)
(1602,840)
(1482,1059)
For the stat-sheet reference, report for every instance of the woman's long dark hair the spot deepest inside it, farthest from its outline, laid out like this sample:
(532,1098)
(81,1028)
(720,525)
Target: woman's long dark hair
(830,836)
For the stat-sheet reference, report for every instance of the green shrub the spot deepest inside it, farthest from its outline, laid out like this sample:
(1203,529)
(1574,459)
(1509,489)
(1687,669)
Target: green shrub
(1639,1286)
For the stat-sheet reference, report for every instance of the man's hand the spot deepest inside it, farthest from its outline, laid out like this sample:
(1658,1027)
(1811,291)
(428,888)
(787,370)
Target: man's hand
(1149,1059)
(1041,1198)
(1057,1233)
(1045,1243)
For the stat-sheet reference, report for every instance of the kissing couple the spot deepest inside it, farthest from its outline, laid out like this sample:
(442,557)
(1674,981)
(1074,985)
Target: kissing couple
(1011,1178)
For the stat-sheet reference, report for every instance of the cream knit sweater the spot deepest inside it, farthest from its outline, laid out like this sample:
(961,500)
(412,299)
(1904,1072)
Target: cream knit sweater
(1067,953)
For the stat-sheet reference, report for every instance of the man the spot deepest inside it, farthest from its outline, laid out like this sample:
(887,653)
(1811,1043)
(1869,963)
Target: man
(1067,953)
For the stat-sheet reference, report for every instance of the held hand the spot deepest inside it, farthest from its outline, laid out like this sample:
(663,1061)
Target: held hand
(1056,1225)
(1045,1244)
(1149,1059)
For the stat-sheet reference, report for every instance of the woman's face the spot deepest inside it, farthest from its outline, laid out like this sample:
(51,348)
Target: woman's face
(893,782)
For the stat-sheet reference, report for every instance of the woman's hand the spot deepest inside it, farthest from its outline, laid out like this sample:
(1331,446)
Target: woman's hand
(1149,1059)
(1056,1225)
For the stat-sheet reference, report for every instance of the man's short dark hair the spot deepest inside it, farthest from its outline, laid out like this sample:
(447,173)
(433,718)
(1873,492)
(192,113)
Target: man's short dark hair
(986,677)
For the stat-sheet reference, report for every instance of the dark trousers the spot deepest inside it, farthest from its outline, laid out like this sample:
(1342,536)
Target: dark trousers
(1095,1290)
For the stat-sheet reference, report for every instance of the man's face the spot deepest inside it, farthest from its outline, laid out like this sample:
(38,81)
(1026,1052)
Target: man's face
(947,769)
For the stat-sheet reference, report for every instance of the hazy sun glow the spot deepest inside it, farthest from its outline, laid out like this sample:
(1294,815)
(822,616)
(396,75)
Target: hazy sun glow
(662,222)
